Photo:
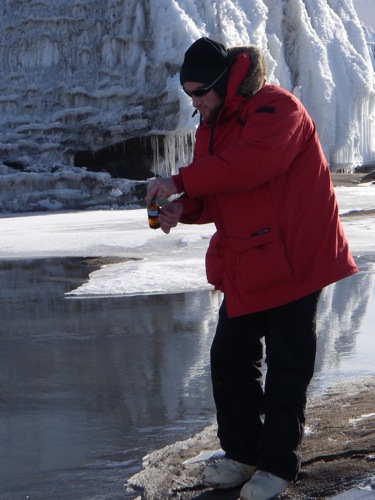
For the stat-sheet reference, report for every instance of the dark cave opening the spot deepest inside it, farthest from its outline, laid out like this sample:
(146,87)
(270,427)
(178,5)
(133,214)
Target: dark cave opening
(131,159)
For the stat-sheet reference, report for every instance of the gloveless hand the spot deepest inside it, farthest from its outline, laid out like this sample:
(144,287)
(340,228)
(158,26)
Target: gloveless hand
(160,188)
(170,216)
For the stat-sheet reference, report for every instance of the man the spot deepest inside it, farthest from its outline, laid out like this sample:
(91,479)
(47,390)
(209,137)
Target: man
(260,175)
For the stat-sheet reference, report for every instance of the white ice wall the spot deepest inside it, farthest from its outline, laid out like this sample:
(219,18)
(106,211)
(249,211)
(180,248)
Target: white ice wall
(83,74)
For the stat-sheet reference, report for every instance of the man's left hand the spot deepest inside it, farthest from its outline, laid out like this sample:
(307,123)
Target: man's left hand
(160,188)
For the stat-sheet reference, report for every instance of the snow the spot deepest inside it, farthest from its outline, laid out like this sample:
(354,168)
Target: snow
(351,200)
(355,420)
(153,262)
(90,74)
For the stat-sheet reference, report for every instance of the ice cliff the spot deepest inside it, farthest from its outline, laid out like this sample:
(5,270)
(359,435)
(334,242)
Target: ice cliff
(92,82)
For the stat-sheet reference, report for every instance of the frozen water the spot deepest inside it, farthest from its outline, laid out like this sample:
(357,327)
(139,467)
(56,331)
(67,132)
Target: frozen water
(160,263)
(85,75)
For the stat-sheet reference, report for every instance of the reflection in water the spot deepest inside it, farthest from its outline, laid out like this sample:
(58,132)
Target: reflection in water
(89,386)
(344,314)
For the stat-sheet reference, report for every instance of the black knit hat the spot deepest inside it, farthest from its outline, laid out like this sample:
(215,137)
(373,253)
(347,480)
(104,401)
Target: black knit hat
(204,62)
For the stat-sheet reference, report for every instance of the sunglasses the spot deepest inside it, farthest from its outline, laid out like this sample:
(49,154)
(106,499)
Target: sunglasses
(203,90)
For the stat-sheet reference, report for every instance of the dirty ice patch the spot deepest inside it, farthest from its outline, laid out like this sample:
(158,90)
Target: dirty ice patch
(358,493)
(206,456)
(353,421)
(145,277)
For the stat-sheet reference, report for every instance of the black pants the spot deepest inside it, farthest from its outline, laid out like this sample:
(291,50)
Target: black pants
(271,443)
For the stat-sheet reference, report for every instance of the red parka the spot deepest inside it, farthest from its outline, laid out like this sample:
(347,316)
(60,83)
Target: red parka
(260,175)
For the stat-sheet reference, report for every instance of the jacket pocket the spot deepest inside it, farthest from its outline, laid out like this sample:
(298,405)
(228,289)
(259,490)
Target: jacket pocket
(260,260)
(215,263)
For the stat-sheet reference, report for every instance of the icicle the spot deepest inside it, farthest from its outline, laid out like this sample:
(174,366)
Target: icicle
(177,152)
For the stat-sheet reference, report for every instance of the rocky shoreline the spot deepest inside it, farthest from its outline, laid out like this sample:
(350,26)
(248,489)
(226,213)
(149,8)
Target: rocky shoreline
(338,454)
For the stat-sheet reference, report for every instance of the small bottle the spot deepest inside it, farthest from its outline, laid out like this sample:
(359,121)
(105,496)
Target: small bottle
(153,211)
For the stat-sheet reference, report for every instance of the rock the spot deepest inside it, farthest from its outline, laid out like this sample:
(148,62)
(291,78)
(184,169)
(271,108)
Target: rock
(338,453)
(370,177)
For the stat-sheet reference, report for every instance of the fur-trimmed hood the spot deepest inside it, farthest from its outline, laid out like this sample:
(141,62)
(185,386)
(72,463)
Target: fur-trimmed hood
(257,73)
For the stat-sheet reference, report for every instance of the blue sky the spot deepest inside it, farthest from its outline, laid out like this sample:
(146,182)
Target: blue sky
(366,11)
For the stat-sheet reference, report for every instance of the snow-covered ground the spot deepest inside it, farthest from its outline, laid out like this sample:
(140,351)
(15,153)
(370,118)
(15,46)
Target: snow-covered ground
(167,263)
